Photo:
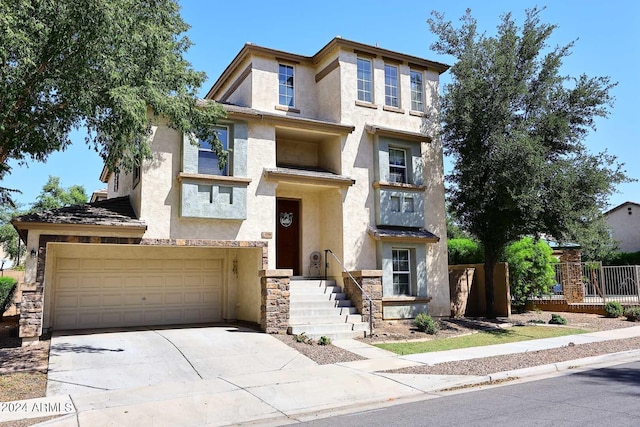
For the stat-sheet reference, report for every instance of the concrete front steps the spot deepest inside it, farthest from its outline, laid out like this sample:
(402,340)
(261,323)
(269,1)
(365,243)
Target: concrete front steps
(319,308)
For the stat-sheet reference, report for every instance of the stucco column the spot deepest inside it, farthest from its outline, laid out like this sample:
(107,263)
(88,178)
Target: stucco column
(274,307)
(371,283)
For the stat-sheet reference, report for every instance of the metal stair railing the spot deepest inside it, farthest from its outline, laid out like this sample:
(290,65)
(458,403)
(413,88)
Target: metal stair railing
(326,268)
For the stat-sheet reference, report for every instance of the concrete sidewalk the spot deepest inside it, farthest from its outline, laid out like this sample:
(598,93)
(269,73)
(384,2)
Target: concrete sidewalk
(287,396)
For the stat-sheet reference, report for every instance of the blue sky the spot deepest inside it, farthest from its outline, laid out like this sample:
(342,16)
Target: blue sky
(607,38)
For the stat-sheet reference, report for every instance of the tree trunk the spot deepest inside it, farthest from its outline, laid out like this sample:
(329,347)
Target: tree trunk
(489,266)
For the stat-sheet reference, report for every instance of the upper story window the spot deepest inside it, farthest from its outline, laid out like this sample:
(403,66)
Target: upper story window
(136,175)
(417,91)
(285,85)
(391,86)
(365,87)
(207,158)
(398,165)
(116,181)
(401,271)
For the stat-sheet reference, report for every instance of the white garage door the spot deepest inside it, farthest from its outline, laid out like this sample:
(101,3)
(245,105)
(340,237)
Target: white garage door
(113,291)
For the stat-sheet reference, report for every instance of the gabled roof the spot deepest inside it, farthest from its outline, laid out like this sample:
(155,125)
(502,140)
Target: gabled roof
(250,48)
(622,205)
(115,212)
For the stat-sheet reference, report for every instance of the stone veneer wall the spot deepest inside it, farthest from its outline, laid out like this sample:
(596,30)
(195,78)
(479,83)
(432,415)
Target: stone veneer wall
(31,305)
(571,268)
(371,283)
(274,307)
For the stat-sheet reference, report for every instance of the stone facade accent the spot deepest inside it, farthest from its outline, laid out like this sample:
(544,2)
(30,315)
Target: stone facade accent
(371,283)
(274,306)
(31,310)
(571,267)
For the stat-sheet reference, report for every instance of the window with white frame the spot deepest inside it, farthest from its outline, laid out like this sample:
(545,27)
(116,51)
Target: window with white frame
(365,86)
(391,97)
(207,158)
(417,91)
(398,165)
(285,85)
(401,261)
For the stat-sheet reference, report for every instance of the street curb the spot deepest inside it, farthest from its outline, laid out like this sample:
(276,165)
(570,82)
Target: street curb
(564,366)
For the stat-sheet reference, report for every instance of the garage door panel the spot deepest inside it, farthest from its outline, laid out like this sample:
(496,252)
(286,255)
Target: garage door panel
(112,292)
(153,264)
(66,301)
(173,298)
(67,281)
(89,300)
(90,264)
(211,297)
(111,300)
(112,282)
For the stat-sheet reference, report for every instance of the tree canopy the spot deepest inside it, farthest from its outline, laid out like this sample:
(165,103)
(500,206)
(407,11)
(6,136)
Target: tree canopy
(514,127)
(106,66)
(54,196)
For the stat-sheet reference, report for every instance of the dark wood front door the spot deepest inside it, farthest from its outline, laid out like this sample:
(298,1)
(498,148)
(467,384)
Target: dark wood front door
(288,235)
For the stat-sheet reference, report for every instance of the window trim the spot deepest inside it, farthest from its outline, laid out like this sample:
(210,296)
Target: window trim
(282,85)
(404,166)
(407,272)
(225,145)
(415,92)
(390,87)
(136,174)
(363,92)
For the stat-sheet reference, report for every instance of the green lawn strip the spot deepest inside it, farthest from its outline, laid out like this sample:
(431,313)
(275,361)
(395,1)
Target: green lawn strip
(498,336)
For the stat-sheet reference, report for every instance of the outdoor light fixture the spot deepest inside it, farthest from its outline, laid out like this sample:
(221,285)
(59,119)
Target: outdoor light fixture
(33,253)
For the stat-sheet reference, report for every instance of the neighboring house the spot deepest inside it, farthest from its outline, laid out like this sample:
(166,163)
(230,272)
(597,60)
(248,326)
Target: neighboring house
(624,221)
(99,195)
(334,151)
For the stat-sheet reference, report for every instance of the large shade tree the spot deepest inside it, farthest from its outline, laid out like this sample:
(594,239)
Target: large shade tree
(514,127)
(101,65)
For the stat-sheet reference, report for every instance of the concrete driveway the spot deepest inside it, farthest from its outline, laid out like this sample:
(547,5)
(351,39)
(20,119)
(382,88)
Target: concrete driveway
(91,361)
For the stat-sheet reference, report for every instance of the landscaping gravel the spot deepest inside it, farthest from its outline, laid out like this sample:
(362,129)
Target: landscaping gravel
(405,331)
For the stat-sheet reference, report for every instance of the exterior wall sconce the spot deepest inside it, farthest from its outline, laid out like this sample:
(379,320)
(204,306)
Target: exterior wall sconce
(33,253)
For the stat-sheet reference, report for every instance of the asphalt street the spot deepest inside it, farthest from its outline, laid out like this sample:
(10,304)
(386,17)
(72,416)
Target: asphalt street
(607,396)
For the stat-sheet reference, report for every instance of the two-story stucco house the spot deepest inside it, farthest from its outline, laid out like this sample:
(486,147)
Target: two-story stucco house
(334,151)
(624,221)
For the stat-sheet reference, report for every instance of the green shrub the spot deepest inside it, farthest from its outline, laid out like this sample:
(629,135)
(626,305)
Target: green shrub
(556,319)
(301,337)
(426,323)
(7,290)
(538,321)
(530,270)
(632,314)
(614,309)
(324,340)
(464,251)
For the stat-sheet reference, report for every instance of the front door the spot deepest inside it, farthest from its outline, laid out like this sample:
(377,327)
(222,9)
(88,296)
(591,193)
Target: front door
(288,235)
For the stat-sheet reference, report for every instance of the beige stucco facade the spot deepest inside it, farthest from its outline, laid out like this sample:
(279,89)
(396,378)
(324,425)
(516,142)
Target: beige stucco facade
(624,221)
(335,215)
(327,151)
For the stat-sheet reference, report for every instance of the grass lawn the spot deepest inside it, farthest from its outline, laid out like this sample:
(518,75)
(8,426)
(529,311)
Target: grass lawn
(498,336)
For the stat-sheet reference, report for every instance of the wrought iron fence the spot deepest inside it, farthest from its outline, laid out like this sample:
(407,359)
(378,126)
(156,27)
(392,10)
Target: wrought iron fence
(601,284)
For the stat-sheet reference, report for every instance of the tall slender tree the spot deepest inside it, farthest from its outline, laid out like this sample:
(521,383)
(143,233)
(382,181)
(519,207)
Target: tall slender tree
(514,127)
